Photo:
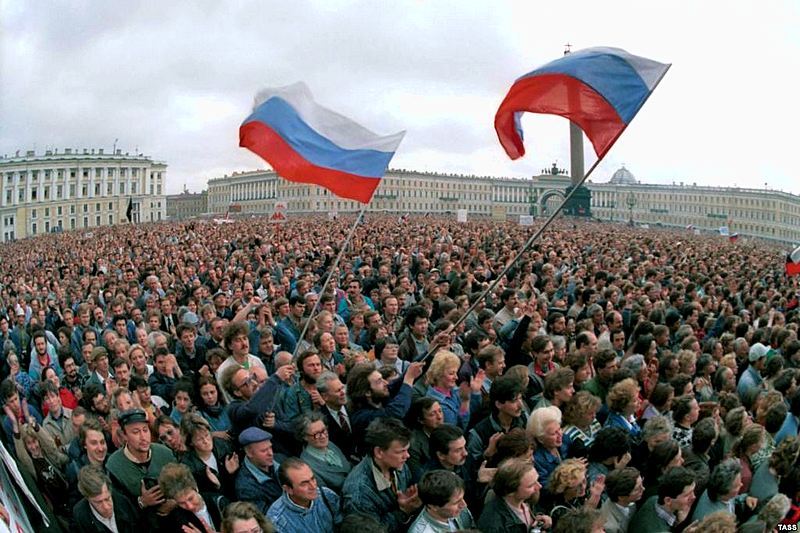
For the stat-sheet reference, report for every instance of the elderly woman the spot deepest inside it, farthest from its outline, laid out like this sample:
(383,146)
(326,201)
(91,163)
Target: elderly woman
(580,419)
(326,460)
(722,492)
(623,403)
(244,517)
(211,460)
(514,483)
(192,509)
(423,417)
(544,427)
(457,402)
(567,489)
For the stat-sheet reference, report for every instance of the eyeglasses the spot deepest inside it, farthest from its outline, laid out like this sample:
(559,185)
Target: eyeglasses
(318,434)
(249,381)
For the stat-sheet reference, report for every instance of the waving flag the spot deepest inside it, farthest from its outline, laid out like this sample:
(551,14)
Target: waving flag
(599,89)
(307,143)
(793,262)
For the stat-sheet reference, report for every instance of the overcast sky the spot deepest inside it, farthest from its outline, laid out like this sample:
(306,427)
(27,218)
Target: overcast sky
(175,79)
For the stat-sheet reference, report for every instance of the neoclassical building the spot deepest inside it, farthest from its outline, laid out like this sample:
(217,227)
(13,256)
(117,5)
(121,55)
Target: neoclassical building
(71,189)
(762,213)
(765,214)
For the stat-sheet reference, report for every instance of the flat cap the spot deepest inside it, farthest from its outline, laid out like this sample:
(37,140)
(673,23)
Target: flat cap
(252,435)
(131,416)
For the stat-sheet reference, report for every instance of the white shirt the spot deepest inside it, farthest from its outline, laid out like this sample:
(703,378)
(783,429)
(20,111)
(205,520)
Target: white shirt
(110,523)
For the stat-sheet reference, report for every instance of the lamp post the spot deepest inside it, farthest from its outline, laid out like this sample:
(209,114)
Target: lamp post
(630,200)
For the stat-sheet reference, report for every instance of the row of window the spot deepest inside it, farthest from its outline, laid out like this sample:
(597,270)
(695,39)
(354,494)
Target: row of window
(73,172)
(59,192)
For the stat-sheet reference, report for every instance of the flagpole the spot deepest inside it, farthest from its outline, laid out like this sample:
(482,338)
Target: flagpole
(550,219)
(522,251)
(330,275)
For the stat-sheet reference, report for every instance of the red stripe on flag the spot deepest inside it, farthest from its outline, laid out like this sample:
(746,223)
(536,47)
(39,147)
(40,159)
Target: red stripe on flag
(792,269)
(558,94)
(264,141)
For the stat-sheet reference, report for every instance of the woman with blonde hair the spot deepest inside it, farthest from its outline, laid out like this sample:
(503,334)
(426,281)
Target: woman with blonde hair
(580,418)
(567,489)
(456,402)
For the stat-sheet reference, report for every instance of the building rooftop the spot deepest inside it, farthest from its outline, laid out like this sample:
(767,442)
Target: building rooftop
(623,176)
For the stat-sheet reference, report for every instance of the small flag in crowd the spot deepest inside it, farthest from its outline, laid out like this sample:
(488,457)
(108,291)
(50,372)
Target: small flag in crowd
(307,143)
(793,262)
(733,237)
(599,89)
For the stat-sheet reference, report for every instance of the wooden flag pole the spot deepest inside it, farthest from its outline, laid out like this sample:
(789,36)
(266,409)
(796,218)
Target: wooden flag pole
(330,275)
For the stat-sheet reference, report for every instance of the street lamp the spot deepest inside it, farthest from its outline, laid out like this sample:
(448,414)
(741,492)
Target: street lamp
(631,201)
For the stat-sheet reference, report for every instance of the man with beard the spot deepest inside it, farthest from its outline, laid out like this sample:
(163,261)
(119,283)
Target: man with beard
(135,467)
(303,397)
(72,379)
(371,397)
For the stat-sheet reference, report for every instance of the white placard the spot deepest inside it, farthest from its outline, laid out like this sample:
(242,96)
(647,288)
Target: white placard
(461,215)
(526,220)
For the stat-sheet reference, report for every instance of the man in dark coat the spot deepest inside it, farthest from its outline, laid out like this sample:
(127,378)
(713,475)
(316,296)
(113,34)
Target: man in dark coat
(102,506)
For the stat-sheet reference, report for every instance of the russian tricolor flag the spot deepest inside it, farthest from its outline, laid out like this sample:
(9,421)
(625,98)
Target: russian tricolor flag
(599,89)
(793,262)
(307,143)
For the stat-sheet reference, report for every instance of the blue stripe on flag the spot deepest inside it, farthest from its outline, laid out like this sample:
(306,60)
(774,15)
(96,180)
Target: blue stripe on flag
(313,147)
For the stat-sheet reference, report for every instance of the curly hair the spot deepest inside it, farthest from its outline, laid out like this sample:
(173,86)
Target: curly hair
(785,456)
(622,394)
(441,362)
(581,403)
(567,474)
(719,522)
(244,511)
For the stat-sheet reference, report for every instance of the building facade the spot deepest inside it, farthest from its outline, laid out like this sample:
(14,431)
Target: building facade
(764,214)
(67,190)
(187,205)
(761,213)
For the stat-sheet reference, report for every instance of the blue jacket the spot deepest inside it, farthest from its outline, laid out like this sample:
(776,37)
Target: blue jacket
(451,406)
(324,513)
(256,486)
(360,417)
(287,334)
(361,495)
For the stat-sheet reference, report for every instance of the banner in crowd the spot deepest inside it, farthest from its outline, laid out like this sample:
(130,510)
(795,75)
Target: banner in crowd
(17,517)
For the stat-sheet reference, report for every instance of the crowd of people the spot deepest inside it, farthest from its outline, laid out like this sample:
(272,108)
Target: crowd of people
(196,377)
